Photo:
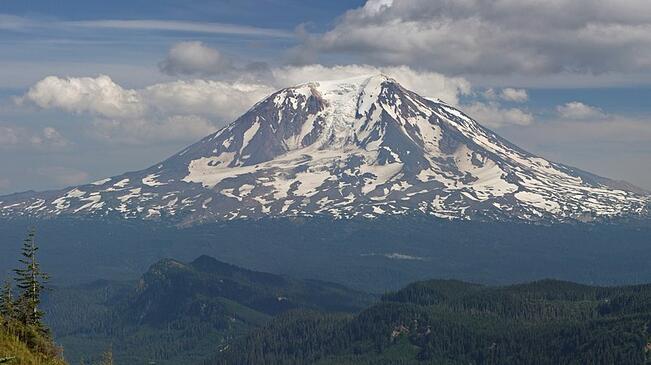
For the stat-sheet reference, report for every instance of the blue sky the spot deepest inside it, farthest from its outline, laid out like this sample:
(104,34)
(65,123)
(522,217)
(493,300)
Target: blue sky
(93,89)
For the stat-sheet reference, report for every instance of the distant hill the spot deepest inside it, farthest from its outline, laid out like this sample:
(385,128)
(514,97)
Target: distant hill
(373,256)
(181,312)
(452,322)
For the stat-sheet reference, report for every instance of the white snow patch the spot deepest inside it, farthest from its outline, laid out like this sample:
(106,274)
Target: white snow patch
(132,194)
(150,180)
(122,183)
(101,182)
(249,134)
(537,201)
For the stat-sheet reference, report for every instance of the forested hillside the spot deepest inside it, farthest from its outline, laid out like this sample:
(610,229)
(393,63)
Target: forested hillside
(182,312)
(451,322)
(22,345)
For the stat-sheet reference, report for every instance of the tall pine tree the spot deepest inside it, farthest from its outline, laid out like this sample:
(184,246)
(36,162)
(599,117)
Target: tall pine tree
(30,280)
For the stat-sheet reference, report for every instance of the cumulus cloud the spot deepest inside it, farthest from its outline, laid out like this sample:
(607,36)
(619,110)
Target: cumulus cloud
(96,95)
(506,94)
(100,96)
(492,115)
(18,137)
(179,110)
(578,111)
(189,109)
(514,95)
(194,58)
(217,99)
(49,137)
(528,37)
(429,84)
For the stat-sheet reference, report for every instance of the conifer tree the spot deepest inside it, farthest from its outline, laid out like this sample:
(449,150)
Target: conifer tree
(7,308)
(30,280)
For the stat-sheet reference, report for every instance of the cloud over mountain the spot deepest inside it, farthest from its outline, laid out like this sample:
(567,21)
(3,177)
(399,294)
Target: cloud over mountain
(498,37)
(187,109)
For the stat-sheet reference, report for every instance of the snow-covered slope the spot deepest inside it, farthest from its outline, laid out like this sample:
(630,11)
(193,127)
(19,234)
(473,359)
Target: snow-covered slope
(357,147)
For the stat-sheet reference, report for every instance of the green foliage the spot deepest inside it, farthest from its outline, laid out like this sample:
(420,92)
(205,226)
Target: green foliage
(23,337)
(450,322)
(30,280)
(181,312)
(7,306)
(39,351)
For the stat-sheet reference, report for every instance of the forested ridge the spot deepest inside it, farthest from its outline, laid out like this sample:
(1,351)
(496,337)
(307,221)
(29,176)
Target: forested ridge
(451,322)
(182,312)
(210,312)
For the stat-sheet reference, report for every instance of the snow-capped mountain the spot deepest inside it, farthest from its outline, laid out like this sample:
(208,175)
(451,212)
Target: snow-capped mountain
(362,147)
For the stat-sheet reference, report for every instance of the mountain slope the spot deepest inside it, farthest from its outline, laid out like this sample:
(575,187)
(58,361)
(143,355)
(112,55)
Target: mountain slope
(180,312)
(364,146)
(452,322)
(25,345)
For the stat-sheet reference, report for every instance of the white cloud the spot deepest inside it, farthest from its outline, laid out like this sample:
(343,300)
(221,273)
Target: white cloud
(190,58)
(102,97)
(195,58)
(507,94)
(176,26)
(179,110)
(528,37)
(98,95)
(514,95)
(218,99)
(490,94)
(492,115)
(429,84)
(189,109)
(20,23)
(47,138)
(579,111)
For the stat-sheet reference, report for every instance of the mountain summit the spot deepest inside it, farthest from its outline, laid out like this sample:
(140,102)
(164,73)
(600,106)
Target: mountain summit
(359,147)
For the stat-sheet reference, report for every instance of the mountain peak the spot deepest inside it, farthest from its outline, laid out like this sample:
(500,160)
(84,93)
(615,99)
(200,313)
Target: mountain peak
(362,146)
(359,81)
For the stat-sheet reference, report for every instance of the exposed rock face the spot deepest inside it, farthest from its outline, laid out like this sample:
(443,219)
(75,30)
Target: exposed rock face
(357,147)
